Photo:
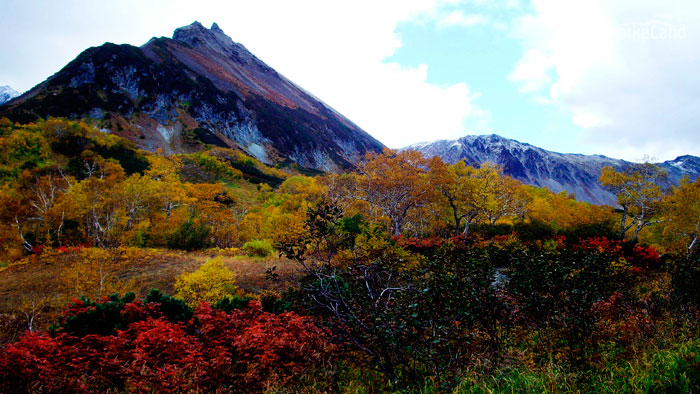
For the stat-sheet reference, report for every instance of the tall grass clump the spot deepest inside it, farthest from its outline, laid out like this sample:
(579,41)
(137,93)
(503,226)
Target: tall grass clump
(258,248)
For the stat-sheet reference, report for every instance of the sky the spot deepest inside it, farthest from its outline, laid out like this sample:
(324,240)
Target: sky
(618,78)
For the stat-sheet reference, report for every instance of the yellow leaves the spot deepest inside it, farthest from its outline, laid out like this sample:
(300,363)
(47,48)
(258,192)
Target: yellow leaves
(682,216)
(94,273)
(621,266)
(22,147)
(305,188)
(273,223)
(637,193)
(563,212)
(164,168)
(211,282)
(635,186)
(474,194)
(5,126)
(395,183)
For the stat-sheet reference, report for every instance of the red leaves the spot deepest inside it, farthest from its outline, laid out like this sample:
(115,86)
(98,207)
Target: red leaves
(644,256)
(602,245)
(637,255)
(163,358)
(280,345)
(39,363)
(419,243)
(240,352)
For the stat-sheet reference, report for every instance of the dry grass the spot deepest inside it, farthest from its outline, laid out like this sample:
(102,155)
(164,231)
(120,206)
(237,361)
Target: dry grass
(38,279)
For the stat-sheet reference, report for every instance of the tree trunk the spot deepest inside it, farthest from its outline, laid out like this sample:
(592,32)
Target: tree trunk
(458,220)
(694,242)
(466,229)
(396,227)
(623,230)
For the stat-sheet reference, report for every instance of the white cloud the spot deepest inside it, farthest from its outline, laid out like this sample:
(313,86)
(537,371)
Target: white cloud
(335,50)
(532,71)
(585,119)
(624,71)
(460,18)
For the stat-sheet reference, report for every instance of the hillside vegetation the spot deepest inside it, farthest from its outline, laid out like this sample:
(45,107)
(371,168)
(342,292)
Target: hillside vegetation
(125,271)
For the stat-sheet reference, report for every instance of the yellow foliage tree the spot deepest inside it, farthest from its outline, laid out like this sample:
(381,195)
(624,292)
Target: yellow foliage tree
(638,194)
(563,212)
(682,214)
(94,273)
(171,192)
(474,194)
(211,282)
(394,183)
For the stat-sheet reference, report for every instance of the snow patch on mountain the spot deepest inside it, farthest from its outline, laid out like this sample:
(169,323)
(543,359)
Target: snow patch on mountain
(7,94)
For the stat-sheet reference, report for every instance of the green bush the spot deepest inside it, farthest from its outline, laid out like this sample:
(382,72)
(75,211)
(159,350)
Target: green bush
(106,316)
(259,248)
(229,304)
(95,317)
(189,236)
(173,309)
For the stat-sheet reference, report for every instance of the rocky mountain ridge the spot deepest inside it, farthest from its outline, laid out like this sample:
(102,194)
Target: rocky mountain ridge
(573,173)
(198,87)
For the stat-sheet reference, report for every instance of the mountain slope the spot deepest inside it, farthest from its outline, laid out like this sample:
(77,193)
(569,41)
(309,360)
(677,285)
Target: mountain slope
(197,88)
(7,94)
(573,173)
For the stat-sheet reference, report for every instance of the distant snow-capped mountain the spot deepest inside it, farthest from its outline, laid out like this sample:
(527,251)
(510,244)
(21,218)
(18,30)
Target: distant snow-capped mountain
(7,94)
(573,173)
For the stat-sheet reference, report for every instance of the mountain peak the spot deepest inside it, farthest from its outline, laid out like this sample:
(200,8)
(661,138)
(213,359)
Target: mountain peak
(199,88)
(7,94)
(190,30)
(197,36)
(216,28)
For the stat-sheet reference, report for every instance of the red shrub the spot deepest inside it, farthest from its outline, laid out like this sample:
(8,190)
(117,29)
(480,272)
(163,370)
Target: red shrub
(38,363)
(162,358)
(601,245)
(419,243)
(644,256)
(240,352)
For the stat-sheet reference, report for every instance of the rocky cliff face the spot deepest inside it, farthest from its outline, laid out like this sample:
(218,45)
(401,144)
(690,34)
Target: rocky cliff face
(200,87)
(7,94)
(573,173)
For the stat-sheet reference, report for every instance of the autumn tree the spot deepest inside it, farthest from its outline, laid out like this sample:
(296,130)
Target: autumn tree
(94,272)
(474,194)
(682,211)
(138,194)
(562,212)
(165,171)
(99,207)
(394,183)
(11,244)
(505,196)
(638,194)
(341,190)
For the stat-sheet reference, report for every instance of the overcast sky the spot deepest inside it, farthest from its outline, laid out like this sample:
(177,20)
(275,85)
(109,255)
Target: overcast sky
(619,78)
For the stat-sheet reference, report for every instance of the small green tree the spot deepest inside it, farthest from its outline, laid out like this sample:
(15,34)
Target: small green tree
(189,236)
